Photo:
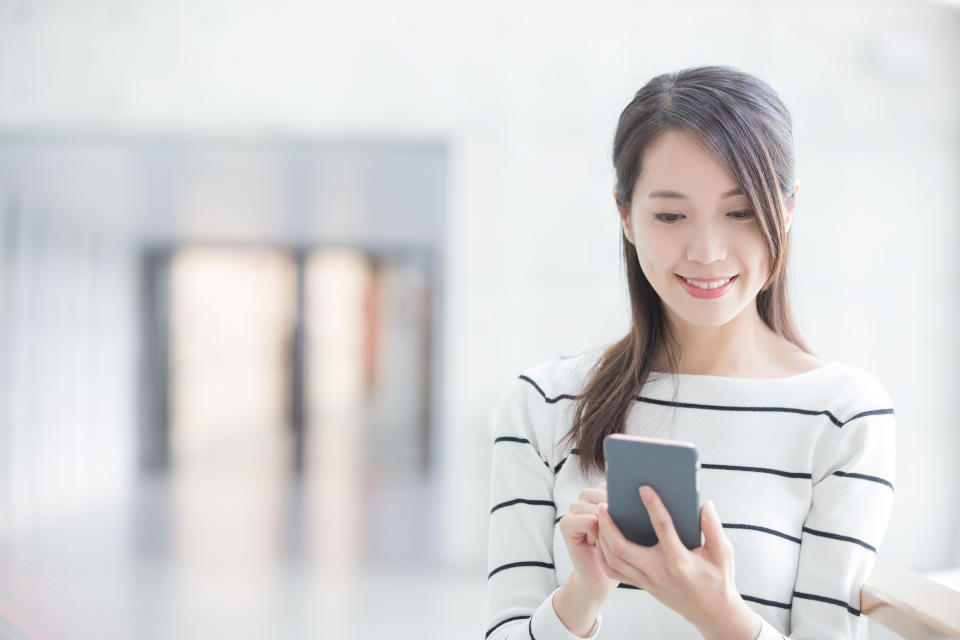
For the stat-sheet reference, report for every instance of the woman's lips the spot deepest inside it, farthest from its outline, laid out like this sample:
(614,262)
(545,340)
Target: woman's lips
(697,292)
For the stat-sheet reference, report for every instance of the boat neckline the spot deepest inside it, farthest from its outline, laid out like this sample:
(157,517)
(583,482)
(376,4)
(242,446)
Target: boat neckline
(709,377)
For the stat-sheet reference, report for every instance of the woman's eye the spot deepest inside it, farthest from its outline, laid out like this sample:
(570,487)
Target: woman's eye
(667,217)
(672,217)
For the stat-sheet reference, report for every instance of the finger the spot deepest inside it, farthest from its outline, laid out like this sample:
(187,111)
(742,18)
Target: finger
(609,559)
(594,496)
(634,554)
(607,569)
(582,507)
(714,537)
(579,530)
(661,520)
(579,527)
(615,567)
(593,534)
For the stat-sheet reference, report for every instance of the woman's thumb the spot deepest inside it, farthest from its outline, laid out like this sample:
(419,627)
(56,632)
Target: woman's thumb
(710,522)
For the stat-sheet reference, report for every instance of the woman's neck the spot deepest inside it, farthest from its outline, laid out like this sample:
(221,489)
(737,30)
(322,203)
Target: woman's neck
(745,347)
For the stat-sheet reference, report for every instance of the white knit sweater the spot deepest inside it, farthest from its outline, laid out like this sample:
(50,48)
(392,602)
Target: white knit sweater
(801,470)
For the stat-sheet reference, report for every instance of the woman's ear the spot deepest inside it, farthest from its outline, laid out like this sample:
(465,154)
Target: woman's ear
(788,216)
(624,218)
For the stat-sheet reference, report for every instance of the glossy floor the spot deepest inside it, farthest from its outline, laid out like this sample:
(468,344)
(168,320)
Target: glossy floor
(229,545)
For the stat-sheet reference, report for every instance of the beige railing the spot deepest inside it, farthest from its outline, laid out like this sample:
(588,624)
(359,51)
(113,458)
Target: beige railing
(910,604)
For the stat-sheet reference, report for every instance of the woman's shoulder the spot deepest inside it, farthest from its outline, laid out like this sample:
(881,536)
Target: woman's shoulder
(535,405)
(851,388)
(564,376)
(846,387)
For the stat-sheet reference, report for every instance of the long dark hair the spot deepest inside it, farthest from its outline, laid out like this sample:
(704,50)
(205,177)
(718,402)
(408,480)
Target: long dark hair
(742,120)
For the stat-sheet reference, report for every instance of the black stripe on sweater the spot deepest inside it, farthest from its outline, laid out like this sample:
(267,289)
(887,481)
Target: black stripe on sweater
(559,466)
(522,441)
(719,407)
(723,407)
(734,467)
(545,503)
(794,474)
(751,527)
(771,603)
(787,536)
(529,563)
(779,472)
(503,622)
(754,527)
(839,603)
(563,396)
(837,536)
(774,603)
(808,412)
(863,476)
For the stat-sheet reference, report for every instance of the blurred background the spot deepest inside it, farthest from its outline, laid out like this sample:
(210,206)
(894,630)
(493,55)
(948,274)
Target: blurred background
(266,268)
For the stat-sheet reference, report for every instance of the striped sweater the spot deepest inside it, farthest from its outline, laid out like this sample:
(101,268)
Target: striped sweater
(801,470)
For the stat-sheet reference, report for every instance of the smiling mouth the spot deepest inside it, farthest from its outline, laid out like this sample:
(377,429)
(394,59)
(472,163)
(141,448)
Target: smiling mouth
(707,285)
(708,279)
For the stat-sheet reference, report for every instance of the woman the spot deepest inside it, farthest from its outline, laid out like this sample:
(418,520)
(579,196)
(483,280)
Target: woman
(797,453)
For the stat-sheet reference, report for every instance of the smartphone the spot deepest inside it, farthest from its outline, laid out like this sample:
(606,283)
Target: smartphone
(671,467)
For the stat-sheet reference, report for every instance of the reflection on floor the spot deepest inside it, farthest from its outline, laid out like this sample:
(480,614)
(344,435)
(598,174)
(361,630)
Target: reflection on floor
(229,545)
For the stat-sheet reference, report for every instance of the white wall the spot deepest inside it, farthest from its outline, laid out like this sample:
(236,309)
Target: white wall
(527,95)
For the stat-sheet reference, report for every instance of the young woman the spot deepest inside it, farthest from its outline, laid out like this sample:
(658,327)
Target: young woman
(797,453)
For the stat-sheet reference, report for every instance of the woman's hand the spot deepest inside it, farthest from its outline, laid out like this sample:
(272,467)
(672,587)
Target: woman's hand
(698,583)
(580,530)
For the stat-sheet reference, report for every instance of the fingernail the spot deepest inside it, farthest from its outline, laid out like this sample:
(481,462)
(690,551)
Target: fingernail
(645,492)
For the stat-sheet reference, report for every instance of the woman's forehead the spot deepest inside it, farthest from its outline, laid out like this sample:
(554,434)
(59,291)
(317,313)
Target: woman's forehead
(677,162)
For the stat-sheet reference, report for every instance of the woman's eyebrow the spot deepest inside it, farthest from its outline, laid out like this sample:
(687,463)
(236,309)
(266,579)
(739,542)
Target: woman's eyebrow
(673,194)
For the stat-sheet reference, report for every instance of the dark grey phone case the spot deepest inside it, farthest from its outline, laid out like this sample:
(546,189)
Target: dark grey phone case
(671,467)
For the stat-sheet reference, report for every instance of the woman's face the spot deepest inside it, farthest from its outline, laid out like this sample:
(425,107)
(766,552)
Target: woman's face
(704,229)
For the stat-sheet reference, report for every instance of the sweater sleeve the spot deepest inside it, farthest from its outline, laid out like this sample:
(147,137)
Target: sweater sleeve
(852,499)
(521,579)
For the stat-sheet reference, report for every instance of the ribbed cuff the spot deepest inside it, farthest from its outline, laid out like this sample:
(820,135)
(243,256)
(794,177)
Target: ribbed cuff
(545,624)
(768,631)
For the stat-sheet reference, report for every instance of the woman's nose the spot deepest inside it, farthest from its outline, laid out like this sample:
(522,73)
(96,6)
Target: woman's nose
(706,244)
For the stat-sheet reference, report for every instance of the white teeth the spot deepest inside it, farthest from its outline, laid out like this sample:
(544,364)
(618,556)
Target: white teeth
(706,285)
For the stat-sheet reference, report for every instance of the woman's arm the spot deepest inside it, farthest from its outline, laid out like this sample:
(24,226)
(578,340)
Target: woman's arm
(852,499)
(733,620)
(574,607)
(522,581)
